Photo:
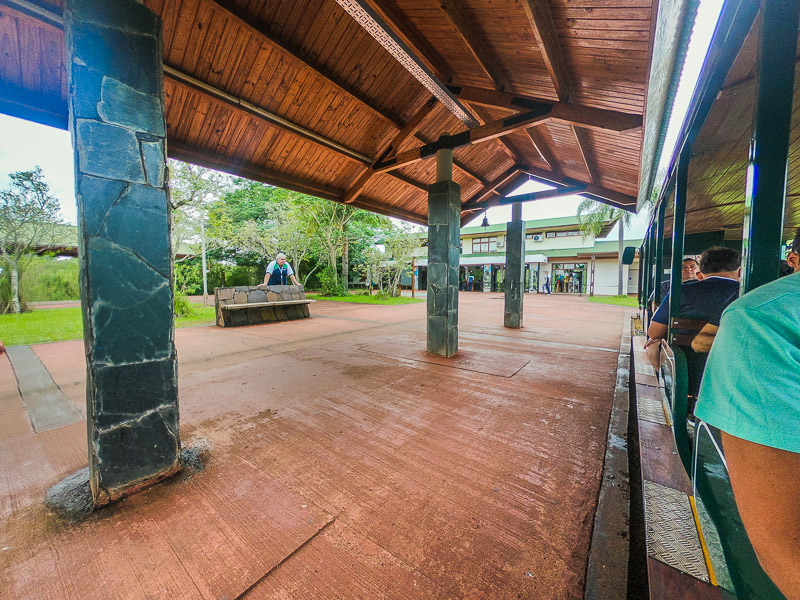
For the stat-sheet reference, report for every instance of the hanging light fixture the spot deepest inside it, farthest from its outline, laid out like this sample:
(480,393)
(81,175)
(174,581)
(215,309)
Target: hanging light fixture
(485,223)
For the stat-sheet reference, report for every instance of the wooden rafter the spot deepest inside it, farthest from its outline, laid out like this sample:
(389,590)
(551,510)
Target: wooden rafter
(596,192)
(371,21)
(489,131)
(509,148)
(265,115)
(588,161)
(490,187)
(544,29)
(182,151)
(411,36)
(410,128)
(273,119)
(563,112)
(541,147)
(474,42)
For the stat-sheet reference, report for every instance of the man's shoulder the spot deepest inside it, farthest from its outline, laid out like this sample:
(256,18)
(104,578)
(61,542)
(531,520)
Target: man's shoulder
(779,294)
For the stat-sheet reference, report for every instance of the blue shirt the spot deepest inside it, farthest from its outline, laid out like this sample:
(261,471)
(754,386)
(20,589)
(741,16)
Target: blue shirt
(751,384)
(704,300)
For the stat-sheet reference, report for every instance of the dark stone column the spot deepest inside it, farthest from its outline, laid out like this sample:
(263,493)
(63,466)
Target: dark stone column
(515,270)
(116,119)
(444,221)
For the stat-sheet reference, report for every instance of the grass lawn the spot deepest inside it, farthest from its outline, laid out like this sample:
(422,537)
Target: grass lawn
(618,300)
(57,324)
(358,299)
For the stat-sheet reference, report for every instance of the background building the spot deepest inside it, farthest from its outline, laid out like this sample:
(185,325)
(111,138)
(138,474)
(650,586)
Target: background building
(554,247)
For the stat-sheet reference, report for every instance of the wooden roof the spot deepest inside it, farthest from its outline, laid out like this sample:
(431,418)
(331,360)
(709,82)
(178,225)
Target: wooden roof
(718,168)
(310,95)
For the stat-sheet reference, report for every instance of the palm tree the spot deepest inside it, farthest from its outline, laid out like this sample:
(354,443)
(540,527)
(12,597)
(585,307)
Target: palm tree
(594,216)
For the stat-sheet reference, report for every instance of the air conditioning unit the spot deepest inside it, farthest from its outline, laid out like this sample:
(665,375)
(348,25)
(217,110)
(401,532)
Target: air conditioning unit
(537,237)
(501,243)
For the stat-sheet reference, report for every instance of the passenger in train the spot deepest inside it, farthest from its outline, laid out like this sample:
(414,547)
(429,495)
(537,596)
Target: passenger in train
(689,269)
(751,392)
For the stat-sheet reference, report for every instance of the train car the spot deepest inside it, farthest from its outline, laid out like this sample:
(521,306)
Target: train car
(732,181)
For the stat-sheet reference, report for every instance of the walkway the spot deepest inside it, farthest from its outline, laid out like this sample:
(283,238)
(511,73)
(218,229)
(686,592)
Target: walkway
(345,462)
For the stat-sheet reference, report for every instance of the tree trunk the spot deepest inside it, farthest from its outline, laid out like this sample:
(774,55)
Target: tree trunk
(345,262)
(16,305)
(621,250)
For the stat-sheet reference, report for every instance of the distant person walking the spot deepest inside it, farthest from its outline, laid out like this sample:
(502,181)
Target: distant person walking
(546,285)
(278,271)
(471,281)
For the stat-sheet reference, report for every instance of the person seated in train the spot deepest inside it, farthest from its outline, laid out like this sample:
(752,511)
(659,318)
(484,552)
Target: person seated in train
(717,285)
(751,392)
(689,269)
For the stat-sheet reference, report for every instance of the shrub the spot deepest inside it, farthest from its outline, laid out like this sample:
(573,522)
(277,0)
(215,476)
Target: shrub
(330,284)
(183,308)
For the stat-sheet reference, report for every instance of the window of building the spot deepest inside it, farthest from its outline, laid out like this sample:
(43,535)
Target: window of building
(550,234)
(484,244)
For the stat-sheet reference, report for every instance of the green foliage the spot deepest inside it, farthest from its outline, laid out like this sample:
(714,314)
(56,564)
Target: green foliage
(48,279)
(617,300)
(330,283)
(57,324)
(183,307)
(28,220)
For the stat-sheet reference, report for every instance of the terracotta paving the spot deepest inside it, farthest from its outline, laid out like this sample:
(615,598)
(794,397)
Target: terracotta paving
(345,462)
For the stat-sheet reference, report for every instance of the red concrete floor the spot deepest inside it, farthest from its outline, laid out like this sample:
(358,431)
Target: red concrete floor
(344,463)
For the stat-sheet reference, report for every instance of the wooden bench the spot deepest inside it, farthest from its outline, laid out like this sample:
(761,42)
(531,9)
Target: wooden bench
(250,305)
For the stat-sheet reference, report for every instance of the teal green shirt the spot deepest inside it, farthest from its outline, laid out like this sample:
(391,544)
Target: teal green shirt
(751,383)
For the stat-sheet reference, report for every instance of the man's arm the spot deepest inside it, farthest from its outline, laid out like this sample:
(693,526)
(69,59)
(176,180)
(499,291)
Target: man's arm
(294,279)
(767,490)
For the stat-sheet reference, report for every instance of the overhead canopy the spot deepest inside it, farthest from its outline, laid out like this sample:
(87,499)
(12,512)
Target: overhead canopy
(310,95)
(720,147)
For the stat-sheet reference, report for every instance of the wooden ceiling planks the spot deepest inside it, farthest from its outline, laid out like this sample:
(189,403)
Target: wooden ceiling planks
(309,63)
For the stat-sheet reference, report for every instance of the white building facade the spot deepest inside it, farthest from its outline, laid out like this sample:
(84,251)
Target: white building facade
(556,252)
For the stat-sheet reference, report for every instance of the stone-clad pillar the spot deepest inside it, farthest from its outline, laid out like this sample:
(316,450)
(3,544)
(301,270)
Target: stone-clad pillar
(116,119)
(444,229)
(515,269)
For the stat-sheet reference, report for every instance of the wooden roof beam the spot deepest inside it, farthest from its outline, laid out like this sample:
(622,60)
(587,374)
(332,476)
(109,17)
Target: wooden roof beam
(294,55)
(474,42)
(563,112)
(273,119)
(540,147)
(411,36)
(410,128)
(490,187)
(512,152)
(596,192)
(588,160)
(374,24)
(263,114)
(544,30)
(211,160)
(489,131)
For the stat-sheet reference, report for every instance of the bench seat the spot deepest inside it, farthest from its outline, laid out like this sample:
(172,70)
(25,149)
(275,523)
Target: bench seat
(263,304)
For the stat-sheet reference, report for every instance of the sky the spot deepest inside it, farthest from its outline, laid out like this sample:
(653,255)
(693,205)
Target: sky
(25,144)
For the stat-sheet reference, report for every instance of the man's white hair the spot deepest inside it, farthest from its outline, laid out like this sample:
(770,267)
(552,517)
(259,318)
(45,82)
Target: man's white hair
(280,255)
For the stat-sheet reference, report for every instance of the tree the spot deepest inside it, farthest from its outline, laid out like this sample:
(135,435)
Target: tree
(28,219)
(388,267)
(594,216)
